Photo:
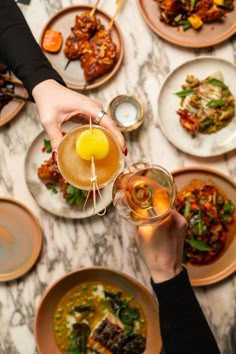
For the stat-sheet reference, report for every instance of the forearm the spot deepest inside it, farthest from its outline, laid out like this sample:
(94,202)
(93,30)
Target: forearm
(20,51)
(184,328)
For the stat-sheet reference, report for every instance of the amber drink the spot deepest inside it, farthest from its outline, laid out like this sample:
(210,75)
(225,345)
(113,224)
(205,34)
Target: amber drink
(144,193)
(77,170)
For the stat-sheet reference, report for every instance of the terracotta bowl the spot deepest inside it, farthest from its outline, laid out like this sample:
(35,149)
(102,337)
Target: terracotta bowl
(43,327)
(225,263)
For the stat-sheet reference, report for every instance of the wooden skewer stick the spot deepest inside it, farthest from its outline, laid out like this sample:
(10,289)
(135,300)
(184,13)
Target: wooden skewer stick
(94,8)
(118,5)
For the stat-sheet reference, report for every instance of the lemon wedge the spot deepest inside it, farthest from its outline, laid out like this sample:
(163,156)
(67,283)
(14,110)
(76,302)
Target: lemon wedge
(92,142)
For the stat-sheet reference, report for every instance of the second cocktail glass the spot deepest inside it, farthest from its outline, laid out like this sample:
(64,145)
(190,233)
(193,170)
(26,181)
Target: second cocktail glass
(144,193)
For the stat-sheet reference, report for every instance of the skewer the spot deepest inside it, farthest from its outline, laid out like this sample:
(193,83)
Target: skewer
(92,12)
(118,5)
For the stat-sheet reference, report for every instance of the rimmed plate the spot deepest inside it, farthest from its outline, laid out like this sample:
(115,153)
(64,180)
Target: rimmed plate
(43,325)
(20,239)
(225,265)
(11,109)
(209,35)
(49,201)
(62,21)
(204,145)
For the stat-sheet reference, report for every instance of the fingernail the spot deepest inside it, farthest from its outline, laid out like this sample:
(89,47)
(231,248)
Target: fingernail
(125,151)
(54,156)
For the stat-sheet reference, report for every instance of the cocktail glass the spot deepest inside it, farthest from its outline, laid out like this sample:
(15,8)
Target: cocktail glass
(144,193)
(77,171)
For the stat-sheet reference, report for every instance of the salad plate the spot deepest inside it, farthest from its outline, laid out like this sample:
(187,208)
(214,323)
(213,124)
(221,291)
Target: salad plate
(50,199)
(72,72)
(209,35)
(225,264)
(202,145)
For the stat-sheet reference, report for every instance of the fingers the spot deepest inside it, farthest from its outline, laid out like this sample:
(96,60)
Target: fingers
(109,124)
(55,135)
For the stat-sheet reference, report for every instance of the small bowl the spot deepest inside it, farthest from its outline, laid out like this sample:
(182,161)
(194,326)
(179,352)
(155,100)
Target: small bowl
(127,112)
(43,326)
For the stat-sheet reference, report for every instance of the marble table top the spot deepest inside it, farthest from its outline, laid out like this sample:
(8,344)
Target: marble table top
(108,240)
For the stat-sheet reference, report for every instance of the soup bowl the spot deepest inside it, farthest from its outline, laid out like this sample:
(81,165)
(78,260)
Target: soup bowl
(45,315)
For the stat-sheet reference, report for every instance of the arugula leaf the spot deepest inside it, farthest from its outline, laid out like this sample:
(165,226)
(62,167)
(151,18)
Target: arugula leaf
(216,82)
(47,145)
(198,244)
(184,93)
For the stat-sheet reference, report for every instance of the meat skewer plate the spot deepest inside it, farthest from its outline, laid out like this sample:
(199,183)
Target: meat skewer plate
(73,73)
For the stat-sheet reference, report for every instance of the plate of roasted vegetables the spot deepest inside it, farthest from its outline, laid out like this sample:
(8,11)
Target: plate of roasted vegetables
(13,95)
(97,310)
(191,23)
(196,107)
(50,189)
(207,199)
(84,44)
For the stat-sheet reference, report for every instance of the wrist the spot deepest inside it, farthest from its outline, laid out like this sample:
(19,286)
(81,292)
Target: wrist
(160,276)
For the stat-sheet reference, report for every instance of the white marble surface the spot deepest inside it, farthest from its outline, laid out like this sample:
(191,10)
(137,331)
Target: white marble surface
(107,241)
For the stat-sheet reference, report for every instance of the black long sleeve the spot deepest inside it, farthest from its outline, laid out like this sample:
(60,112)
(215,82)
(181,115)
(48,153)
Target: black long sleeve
(20,51)
(184,328)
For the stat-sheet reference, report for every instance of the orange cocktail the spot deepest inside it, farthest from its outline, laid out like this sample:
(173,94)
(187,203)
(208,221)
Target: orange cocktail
(84,146)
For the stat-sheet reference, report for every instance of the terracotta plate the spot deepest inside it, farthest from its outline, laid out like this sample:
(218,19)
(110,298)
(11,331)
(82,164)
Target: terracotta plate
(43,328)
(13,107)
(73,75)
(20,239)
(168,103)
(209,35)
(226,263)
(51,202)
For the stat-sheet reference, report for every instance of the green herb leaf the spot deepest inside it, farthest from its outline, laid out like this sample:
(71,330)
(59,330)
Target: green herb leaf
(198,244)
(75,196)
(216,82)
(51,187)
(47,145)
(184,93)
(187,209)
(216,103)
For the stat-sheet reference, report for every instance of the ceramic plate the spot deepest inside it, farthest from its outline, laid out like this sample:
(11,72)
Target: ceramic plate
(226,263)
(20,239)
(13,107)
(43,328)
(209,35)
(73,75)
(168,103)
(55,203)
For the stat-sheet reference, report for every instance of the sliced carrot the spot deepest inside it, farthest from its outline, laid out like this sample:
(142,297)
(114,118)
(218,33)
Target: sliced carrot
(52,41)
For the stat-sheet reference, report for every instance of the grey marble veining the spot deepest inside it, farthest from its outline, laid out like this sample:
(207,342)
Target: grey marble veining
(106,241)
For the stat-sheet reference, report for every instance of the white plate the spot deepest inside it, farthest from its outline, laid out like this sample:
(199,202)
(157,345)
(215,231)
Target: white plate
(168,103)
(55,203)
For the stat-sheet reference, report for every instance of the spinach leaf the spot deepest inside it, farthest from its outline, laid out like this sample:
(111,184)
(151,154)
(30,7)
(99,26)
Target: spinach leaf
(128,314)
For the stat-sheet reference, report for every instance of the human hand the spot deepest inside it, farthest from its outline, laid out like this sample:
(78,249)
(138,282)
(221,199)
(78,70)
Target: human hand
(161,246)
(57,104)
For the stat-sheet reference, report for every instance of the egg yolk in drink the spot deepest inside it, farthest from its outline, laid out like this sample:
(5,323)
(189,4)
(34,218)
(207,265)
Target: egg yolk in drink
(92,142)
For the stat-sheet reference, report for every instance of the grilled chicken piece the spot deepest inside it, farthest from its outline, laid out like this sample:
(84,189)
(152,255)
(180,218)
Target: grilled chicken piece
(85,27)
(100,55)
(49,171)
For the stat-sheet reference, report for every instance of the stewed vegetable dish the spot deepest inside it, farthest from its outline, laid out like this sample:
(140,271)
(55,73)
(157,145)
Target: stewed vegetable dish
(209,213)
(96,317)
